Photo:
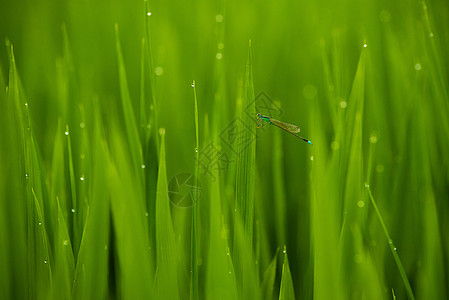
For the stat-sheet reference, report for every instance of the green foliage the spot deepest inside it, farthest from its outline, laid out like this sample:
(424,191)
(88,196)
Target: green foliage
(115,184)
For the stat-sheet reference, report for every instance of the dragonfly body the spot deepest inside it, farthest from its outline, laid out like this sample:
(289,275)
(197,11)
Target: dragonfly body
(292,129)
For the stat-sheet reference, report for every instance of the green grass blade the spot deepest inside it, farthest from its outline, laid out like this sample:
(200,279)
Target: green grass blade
(245,184)
(279,188)
(358,270)
(153,114)
(166,282)
(143,103)
(92,269)
(269,276)
(42,267)
(130,121)
(76,235)
(287,292)
(194,230)
(392,247)
(64,266)
(27,218)
(219,276)
(132,250)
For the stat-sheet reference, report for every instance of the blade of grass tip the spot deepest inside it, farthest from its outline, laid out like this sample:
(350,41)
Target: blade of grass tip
(287,292)
(130,121)
(245,180)
(166,281)
(358,272)
(269,276)
(64,266)
(92,271)
(194,237)
(38,245)
(393,249)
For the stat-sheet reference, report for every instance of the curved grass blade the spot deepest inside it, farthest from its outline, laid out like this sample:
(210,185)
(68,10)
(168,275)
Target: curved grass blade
(408,288)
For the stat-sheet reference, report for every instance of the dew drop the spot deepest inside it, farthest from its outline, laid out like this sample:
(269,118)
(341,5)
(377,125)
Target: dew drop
(40,223)
(360,203)
(395,248)
(335,145)
(65,242)
(220,46)
(27,176)
(82,125)
(219,55)
(284,251)
(230,272)
(418,67)
(146,214)
(66,133)
(366,185)
(26,104)
(158,71)
(142,166)
(227,253)
(343,104)
(192,84)
(365,45)
(358,258)
(196,149)
(384,16)
(45,261)
(82,156)
(73,210)
(380,168)
(161,131)
(219,18)
(82,178)
(148,13)
(311,158)
(373,138)
(431,34)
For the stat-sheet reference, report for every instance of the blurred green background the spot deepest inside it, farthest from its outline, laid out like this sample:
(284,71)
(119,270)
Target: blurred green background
(365,80)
